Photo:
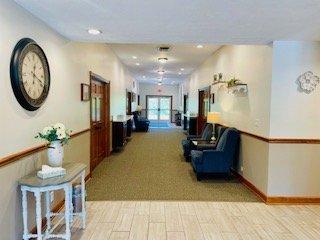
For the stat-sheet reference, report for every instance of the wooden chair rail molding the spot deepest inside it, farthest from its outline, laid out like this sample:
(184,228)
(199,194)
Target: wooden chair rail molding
(276,199)
(280,140)
(17,156)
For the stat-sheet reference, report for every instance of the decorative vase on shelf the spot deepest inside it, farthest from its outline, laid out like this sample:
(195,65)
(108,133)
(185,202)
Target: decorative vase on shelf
(55,154)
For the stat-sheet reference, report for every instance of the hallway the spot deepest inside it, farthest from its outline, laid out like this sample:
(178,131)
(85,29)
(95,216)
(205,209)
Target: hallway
(151,167)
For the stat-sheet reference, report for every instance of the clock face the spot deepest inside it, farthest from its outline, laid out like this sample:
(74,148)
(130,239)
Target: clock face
(30,76)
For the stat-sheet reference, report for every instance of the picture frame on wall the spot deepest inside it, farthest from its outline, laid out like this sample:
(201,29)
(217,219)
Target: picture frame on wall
(85,92)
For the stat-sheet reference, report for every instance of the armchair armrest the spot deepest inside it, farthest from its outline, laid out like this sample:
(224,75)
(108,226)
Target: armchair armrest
(193,137)
(206,146)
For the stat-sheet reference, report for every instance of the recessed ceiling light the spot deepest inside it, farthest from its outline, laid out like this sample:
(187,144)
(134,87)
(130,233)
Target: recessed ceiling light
(161,72)
(159,84)
(181,69)
(199,46)
(138,64)
(163,59)
(180,73)
(134,57)
(94,31)
(144,76)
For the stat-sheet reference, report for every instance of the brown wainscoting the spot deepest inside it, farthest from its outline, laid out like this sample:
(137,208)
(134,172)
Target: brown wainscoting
(57,208)
(250,186)
(280,140)
(276,199)
(17,156)
(292,200)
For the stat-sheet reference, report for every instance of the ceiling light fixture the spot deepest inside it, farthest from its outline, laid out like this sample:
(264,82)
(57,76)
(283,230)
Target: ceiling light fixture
(159,84)
(199,46)
(134,57)
(138,64)
(180,73)
(162,59)
(182,69)
(93,31)
(161,72)
(144,76)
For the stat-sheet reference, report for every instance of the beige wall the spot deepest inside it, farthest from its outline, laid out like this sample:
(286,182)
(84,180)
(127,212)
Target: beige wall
(70,64)
(152,89)
(273,108)
(293,168)
(252,65)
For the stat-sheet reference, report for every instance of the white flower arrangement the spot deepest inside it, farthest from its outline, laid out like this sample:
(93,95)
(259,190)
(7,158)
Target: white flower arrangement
(56,132)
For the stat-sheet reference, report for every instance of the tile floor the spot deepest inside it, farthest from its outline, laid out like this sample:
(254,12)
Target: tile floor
(151,220)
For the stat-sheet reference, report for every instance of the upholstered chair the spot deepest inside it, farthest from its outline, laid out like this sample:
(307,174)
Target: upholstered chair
(140,123)
(206,135)
(220,160)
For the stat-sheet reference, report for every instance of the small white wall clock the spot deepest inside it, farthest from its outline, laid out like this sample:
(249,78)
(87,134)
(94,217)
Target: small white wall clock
(307,82)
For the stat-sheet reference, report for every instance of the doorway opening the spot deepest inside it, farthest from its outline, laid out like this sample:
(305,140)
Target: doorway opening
(159,110)
(203,108)
(99,119)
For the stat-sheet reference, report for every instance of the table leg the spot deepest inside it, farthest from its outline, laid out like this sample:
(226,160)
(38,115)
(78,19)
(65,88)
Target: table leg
(25,214)
(37,195)
(83,200)
(67,210)
(48,212)
(71,204)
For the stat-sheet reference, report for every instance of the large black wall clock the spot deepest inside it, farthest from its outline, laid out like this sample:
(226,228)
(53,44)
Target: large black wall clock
(30,74)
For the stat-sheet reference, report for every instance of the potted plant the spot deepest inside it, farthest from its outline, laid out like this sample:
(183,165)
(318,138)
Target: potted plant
(57,136)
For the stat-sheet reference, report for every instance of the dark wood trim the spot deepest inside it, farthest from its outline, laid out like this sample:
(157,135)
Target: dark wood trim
(292,200)
(106,113)
(276,199)
(24,153)
(249,185)
(98,77)
(280,140)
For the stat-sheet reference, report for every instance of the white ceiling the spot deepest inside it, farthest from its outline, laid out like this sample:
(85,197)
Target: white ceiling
(181,21)
(186,56)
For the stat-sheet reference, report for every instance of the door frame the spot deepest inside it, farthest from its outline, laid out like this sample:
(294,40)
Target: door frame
(106,115)
(205,89)
(168,96)
(128,102)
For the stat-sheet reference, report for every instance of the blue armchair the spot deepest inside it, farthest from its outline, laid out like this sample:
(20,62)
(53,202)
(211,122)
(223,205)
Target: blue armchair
(206,135)
(140,123)
(220,160)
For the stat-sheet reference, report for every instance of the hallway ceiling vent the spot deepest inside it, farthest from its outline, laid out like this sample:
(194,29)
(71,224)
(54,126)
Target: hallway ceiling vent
(164,48)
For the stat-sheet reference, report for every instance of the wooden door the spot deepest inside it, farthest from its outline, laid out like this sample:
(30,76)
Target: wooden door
(100,124)
(203,109)
(129,103)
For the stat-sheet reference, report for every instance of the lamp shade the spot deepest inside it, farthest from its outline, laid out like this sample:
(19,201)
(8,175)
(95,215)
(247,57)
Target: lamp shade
(139,108)
(213,117)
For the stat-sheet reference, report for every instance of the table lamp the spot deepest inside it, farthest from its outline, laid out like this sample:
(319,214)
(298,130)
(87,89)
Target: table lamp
(213,117)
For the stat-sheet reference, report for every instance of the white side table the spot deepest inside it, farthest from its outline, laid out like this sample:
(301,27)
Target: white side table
(37,186)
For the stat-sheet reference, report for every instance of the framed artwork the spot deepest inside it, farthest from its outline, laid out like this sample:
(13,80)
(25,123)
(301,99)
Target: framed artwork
(85,92)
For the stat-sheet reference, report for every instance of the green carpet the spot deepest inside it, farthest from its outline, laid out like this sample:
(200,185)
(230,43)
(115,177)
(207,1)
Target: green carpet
(151,167)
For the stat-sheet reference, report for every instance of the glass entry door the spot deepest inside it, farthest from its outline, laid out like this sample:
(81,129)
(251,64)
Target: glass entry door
(159,110)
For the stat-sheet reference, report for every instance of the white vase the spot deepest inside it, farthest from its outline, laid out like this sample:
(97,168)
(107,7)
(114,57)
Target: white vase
(55,154)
